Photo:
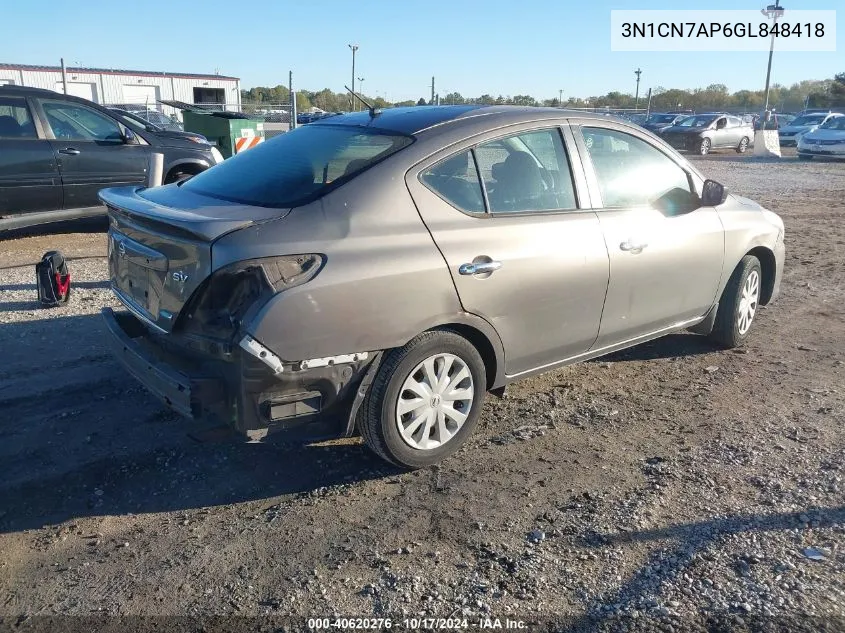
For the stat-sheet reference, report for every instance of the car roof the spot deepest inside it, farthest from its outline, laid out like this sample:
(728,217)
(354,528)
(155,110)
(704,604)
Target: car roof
(414,120)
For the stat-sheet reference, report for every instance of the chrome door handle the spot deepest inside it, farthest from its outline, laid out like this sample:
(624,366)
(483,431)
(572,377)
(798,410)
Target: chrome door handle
(479,268)
(72,151)
(634,247)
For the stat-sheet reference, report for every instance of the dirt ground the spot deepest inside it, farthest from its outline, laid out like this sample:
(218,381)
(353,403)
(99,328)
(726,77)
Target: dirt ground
(673,485)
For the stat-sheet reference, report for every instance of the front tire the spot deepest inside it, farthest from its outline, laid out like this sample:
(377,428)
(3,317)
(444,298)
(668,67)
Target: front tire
(739,304)
(425,400)
(704,148)
(743,145)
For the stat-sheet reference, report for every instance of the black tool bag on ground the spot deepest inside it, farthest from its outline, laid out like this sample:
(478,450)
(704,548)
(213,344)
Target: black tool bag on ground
(53,279)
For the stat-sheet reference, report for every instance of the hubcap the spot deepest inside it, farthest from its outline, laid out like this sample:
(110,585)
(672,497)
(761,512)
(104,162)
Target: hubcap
(748,302)
(434,401)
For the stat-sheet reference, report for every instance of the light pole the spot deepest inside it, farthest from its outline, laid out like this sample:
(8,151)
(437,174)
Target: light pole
(352,102)
(773,11)
(361,81)
(560,98)
(638,72)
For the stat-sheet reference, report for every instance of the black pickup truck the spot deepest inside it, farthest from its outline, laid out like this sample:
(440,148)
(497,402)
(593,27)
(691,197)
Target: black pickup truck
(57,151)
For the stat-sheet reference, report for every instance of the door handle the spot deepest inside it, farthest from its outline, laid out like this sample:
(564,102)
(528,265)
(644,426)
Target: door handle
(634,247)
(72,151)
(479,268)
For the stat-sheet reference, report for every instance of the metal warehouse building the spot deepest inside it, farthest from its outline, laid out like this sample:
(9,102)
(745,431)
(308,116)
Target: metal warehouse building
(137,87)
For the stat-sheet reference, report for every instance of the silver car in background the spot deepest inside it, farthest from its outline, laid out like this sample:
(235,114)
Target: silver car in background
(379,272)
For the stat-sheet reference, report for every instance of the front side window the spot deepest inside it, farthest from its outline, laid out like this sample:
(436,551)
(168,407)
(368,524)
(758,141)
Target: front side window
(634,173)
(456,181)
(298,166)
(527,172)
(15,119)
(74,122)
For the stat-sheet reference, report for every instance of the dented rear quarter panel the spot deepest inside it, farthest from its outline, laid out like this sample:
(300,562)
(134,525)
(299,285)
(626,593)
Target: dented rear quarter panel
(383,282)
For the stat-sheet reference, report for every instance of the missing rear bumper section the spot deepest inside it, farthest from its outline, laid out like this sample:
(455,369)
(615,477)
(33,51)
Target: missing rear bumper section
(254,393)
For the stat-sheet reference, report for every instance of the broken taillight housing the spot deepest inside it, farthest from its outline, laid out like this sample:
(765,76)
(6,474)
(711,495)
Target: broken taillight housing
(236,292)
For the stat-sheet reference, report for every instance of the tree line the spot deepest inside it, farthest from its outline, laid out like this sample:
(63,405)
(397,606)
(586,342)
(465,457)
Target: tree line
(809,93)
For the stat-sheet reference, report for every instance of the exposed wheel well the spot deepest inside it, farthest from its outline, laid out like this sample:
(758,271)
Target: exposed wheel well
(185,169)
(768,266)
(482,344)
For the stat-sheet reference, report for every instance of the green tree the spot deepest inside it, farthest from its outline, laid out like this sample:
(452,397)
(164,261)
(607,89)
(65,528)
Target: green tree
(422,102)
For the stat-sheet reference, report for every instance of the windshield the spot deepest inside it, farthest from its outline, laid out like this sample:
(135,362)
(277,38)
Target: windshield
(836,123)
(661,118)
(697,121)
(809,119)
(133,118)
(298,166)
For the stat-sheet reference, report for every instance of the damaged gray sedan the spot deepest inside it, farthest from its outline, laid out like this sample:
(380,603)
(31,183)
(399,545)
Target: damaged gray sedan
(380,272)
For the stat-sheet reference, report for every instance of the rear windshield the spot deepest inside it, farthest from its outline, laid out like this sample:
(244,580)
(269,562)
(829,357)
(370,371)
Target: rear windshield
(296,167)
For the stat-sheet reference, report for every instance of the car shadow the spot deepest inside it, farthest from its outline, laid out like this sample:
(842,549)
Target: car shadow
(99,224)
(668,564)
(670,346)
(74,284)
(81,438)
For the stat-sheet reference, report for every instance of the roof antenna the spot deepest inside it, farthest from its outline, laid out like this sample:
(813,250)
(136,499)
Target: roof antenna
(373,110)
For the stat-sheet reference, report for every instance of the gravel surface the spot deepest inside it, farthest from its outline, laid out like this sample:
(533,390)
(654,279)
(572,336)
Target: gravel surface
(669,487)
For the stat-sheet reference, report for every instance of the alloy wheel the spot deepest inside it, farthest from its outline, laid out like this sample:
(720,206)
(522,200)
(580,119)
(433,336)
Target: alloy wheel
(434,401)
(748,302)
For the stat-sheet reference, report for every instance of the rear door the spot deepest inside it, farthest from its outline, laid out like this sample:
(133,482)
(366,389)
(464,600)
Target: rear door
(665,250)
(90,150)
(29,175)
(510,215)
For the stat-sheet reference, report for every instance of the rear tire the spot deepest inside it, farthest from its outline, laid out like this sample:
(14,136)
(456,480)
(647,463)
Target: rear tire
(739,304)
(418,444)
(704,148)
(743,145)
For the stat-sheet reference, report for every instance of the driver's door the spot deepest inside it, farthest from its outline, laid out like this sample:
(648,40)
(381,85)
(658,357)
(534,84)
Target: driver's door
(665,251)
(91,152)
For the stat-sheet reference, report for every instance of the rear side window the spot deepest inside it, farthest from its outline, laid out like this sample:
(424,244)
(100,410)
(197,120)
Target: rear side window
(297,166)
(527,172)
(15,119)
(456,180)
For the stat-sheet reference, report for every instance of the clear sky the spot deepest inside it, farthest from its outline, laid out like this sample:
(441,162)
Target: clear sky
(507,47)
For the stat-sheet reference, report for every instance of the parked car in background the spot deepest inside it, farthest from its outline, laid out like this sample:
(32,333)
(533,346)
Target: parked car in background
(826,140)
(790,135)
(159,119)
(384,271)
(659,122)
(704,132)
(57,151)
(132,119)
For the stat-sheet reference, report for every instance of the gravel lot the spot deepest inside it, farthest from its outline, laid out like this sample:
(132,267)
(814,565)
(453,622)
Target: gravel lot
(672,486)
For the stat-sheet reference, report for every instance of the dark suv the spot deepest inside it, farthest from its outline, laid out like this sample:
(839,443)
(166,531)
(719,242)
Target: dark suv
(58,151)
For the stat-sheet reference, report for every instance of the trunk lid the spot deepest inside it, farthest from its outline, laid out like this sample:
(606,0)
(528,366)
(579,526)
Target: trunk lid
(159,245)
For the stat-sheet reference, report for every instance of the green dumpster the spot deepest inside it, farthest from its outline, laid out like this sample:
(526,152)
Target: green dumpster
(231,132)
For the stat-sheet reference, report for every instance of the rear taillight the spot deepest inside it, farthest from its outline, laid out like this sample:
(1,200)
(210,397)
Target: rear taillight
(233,294)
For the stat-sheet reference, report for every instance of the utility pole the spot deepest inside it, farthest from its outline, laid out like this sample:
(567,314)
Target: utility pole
(432,91)
(560,98)
(352,101)
(64,76)
(638,72)
(648,107)
(773,11)
(292,101)
(361,81)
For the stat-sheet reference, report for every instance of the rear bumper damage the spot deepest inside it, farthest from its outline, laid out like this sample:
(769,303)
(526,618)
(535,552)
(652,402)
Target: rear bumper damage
(246,386)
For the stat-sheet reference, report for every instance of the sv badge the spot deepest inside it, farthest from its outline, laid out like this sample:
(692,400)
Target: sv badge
(179,277)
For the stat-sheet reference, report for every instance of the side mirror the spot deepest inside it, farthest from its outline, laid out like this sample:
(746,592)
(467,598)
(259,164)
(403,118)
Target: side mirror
(129,137)
(713,193)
